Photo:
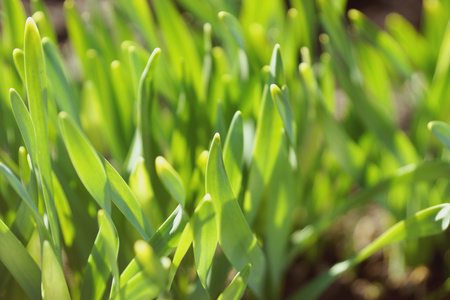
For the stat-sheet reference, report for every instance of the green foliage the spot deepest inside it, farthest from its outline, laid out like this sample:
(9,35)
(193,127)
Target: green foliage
(111,157)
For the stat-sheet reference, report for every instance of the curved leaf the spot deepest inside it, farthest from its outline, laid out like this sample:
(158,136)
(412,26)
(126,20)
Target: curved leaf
(19,263)
(205,237)
(430,221)
(37,100)
(235,236)
(236,288)
(233,152)
(441,131)
(102,260)
(54,284)
(171,180)
(86,161)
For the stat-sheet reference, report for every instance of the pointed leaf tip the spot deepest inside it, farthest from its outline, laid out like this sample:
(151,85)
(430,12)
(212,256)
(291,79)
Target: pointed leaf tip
(430,125)
(274,90)
(222,15)
(30,22)
(63,115)
(216,138)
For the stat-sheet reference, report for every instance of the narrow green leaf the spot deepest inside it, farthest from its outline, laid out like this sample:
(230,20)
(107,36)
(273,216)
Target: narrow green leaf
(13,20)
(279,218)
(179,40)
(407,175)
(235,236)
(64,211)
(382,41)
(86,161)
(25,124)
(63,90)
(164,241)
(43,19)
(441,131)
(268,135)
(233,152)
(141,187)
(24,166)
(427,222)
(54,284)
(183,247)
(138,11)
(285,110)
(171,180)
(205,237)
(19,62)
(151,263)
(45,26)
(22,192)
(77,33)
(102,261)
(233,25)
(349,155)
(37,100)
(122,85)
(124,199)
(236,288)
(19,263)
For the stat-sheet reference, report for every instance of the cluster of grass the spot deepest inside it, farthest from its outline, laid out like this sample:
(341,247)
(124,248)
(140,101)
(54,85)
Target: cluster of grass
(113,164)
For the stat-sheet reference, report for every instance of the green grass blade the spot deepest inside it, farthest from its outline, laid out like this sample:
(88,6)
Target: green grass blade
(171,180)
(63,90)
(37,100)
(349,155)
(427,222)
(54,284)
(44,25)
(183,247)
(408,175)
(205,237)
(164,241)
(439,88)
(101,179)
(412,42)
(64,211)
(77,33)
(22,192)
(267,138)
(19,263)
(102,260)
(138,11)
(236,288)
(285,110)
(235,236)
(13,20)
(148,282)
(19,63)
(25,124)
(141,187)
(233,152)
(279,218)
(124,199)
(233,25)
(441,131)
(144,125)
(151,263)
(122,85)
(382,41)
(179,40)
(86,161)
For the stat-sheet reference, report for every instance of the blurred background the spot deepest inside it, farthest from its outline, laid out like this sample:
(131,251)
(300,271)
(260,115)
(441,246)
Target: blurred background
(376,10)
